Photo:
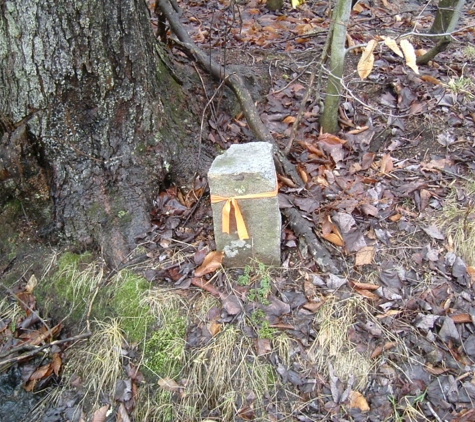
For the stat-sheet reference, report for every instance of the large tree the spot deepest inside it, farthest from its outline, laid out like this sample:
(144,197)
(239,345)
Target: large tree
(90,116)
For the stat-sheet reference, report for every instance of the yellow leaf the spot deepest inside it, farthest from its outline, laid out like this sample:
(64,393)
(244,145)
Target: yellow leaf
(365,65)
(391,43)
(296,3)
(358,401)
(409,54)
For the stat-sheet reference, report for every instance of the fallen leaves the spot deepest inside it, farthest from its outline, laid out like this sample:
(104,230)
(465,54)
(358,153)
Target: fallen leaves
(210,264)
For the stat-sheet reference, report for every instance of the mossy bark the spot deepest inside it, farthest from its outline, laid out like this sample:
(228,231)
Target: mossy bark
(86,99)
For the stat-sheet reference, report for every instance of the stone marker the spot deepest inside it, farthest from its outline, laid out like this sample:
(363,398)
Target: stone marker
(243,182)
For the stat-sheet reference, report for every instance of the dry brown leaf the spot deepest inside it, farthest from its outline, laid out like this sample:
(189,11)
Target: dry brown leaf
(41,372)
(386,165)
(334,238)
(56,364)
(122,415)
(359,130)
(391,312)
(367,294)
(303,174)
(365,65)
(263,346)
(330,139)
(435,371)
(461,318)
(392,44)
(30,286)
(395,218)
(430,79)
(471,273)
(313,306)
(357,401)
(366,286)
(409,54)
(365,255)
(380,349)
(214,327)
(198,282)
(30,385)
(211,263)
(289,119)
(100,415)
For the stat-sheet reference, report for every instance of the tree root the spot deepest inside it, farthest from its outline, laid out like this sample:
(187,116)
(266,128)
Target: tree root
(301,227)
(237,85)
(304,230)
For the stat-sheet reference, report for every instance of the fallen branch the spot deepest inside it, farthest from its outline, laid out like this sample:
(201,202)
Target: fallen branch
(38,349)
(236,83)
(304,230)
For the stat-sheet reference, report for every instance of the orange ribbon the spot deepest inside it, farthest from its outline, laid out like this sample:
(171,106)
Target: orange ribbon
(233,203)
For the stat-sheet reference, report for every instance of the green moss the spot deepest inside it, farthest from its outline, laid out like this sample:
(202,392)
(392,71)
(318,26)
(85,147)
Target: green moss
(64,295)
(165,350)
(126,304)
(69,292)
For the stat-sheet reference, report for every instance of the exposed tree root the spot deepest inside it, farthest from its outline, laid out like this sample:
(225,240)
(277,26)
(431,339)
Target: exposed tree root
(304,230)
(236,83)
(301,227)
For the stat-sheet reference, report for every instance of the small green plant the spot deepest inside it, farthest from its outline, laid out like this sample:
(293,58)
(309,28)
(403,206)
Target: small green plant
(263,283)
(261,325)
(462,85)
(260,294)
(122,213)
(245,279)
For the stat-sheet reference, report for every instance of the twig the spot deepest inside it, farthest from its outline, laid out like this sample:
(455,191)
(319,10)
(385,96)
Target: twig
(433,412)
(45,346)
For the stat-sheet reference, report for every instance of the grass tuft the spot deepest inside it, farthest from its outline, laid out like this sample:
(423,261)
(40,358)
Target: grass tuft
(332,345)
(99,361)
(458,221)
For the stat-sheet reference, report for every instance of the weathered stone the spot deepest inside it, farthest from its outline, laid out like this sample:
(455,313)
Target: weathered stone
(244,170)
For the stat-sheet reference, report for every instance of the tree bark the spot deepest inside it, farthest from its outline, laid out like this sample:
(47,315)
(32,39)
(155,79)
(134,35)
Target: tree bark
(341,16)
(86,100)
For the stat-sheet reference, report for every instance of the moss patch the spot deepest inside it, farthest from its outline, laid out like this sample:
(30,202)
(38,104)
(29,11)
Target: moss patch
(165,350)
(126,304)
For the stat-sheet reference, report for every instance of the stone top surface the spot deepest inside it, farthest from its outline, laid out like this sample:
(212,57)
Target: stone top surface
(254,157)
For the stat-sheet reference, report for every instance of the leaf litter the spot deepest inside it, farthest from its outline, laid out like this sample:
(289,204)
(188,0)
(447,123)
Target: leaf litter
(392,335)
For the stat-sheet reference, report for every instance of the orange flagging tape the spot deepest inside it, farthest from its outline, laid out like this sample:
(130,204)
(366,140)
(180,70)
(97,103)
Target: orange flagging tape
(233,203)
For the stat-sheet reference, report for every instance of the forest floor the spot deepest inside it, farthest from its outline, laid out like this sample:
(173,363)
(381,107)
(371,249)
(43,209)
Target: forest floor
(390,337)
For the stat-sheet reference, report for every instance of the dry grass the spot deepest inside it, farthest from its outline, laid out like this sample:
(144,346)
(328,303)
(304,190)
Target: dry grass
(214,378)
(99,361)
(332,345)
(457,219)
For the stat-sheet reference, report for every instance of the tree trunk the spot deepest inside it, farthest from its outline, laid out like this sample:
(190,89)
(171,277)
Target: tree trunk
(444,19)
(88,108)
(341,16)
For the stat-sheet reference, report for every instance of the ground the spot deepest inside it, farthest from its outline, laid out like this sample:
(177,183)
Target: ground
(173,336)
